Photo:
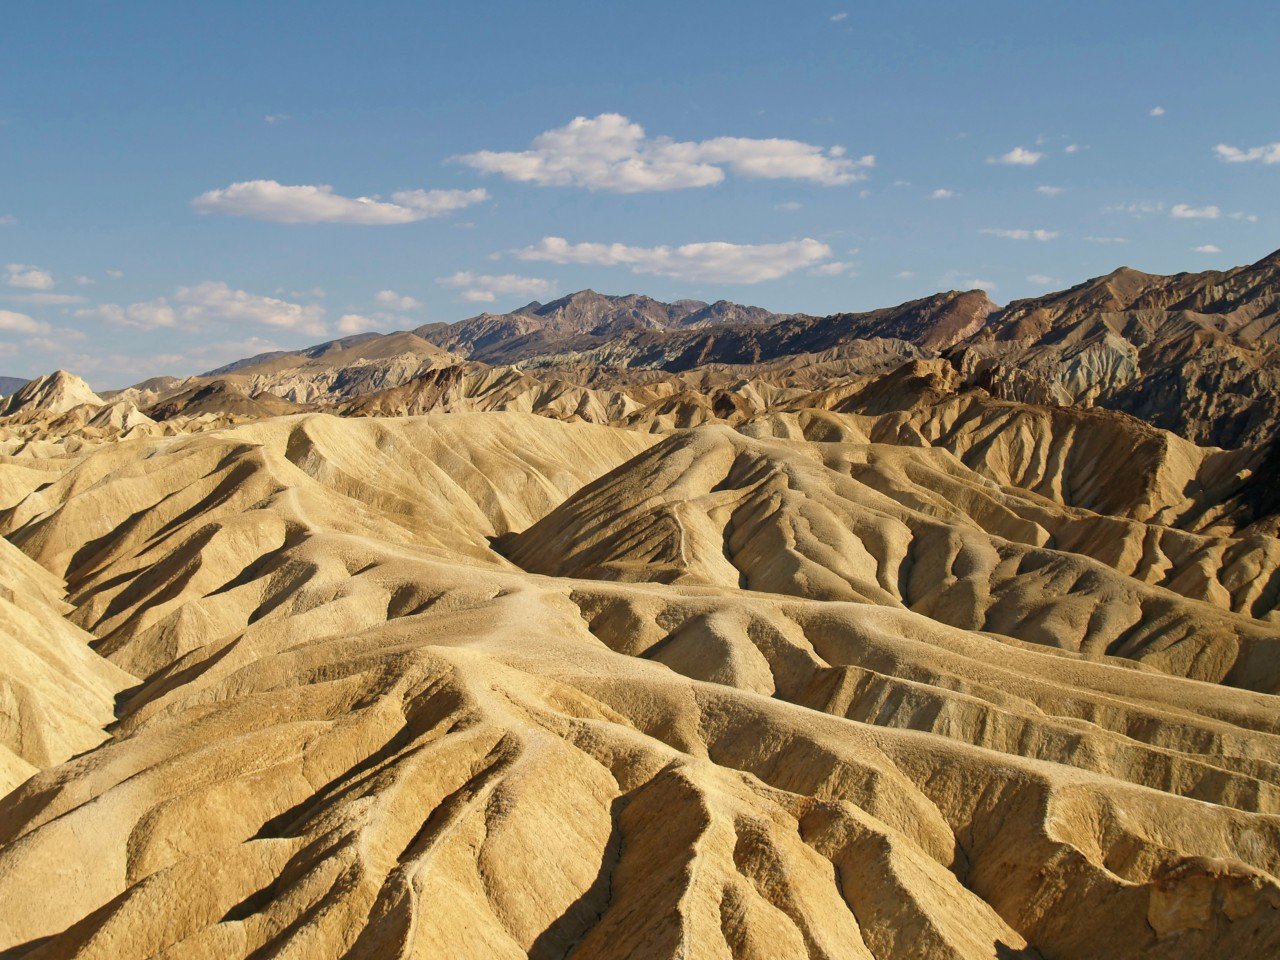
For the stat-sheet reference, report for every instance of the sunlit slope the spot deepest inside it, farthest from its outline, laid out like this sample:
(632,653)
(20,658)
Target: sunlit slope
(396,699)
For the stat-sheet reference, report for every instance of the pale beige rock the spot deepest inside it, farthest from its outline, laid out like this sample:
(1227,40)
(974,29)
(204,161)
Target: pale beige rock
(491,684)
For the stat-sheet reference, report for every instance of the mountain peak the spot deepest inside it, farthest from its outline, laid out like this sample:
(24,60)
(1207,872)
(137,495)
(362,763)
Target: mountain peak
(53,393)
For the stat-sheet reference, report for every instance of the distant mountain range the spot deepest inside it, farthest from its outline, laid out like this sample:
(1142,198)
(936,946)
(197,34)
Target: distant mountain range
(1196,353)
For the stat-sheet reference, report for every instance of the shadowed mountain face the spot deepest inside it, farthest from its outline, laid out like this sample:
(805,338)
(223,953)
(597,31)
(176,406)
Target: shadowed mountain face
(890,641)
(1193,353)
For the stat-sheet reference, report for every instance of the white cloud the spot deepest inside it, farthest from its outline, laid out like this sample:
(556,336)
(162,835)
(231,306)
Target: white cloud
(1247,217)
(1072,148)
(715,262)
(1156,112)
(610,152)
(276,117)
(213,302)
(832,269)
(1020,234)
(1048,191)
(115,274)
(1137,208)
(394,301)
(12,322)
(26,277)
(1043,280)
(975,284)
(83,281)
(1208,248)
(486,288)
(279,203)
(942,193)
(1268,153)
(1018,157)
(905,274)
(1181,211)
(1107,240)
(49,299)
(350,324)
(148,315)
(837,17)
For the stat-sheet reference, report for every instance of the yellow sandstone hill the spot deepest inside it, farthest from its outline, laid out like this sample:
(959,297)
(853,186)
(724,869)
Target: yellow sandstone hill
(930,677)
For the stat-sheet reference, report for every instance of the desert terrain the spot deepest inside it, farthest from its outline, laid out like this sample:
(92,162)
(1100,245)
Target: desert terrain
(612,628)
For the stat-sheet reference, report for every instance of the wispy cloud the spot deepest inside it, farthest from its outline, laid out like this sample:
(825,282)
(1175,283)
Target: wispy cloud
(715,262)
(1018,157)
(942,193)
(13,322)
(213,302)
(395,301)
(1046,190)
(1043,280)
(48,299)
(279,203)
(1106,241)
(274,118)
(832,269)
(1156,112)
(1268,153)
(837,17)
(1208,248)
(486,288)
(1020,234)
(349,324)
(976,284)
(611,152)
(1136,208)
(26,277)
(1181,211)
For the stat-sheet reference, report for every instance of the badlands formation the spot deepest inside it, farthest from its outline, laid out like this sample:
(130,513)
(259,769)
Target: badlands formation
(618,629)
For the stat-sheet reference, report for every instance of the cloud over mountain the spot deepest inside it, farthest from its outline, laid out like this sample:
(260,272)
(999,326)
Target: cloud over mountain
(485,288)
(714,262)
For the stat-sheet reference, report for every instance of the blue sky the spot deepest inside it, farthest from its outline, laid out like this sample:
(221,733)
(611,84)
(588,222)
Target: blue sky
(181,186)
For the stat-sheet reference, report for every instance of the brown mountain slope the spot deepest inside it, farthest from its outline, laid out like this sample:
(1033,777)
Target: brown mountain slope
(646,338)
(1198,354)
